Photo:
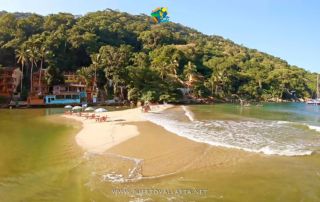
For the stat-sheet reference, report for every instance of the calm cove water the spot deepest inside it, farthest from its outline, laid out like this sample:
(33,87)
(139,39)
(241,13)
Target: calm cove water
(40,161)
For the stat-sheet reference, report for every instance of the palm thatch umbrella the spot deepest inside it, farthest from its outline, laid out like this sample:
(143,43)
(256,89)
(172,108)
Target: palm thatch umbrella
(100,110)
(76,108)
(68,107)
(89,109)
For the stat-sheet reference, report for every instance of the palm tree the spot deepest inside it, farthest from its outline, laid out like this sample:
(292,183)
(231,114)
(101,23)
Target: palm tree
(173,66)
(85,73)
(214,81)
(33,57)
(190,70)
(96,62)
(42,54)
(22,58)
(219,78)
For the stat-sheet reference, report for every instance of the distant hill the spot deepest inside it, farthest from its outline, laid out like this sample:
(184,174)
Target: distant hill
(174,55)
(17,14)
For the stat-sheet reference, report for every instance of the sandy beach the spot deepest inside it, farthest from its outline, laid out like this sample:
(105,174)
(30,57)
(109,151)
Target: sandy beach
(127,133)
(98,137)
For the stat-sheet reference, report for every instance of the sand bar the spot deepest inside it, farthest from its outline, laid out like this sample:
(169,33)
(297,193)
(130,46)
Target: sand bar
(97,137)
(163,153)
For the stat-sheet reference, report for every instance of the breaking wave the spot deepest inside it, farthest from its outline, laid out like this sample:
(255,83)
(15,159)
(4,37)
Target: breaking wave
(260,136)
(316,128)
(188,113)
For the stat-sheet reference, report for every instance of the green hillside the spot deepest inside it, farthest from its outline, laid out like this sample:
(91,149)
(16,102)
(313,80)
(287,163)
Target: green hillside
(143,61)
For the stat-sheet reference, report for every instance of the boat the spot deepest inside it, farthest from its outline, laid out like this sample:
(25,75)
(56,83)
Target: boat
(65,98)
(313,102)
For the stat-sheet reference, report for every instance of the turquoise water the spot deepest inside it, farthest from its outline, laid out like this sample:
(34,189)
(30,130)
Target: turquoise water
(289,129)
(296,112)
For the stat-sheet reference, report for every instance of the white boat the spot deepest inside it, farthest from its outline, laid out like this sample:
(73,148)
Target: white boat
(313,102)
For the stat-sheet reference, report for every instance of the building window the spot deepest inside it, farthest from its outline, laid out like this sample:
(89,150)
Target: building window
(75,96)
(60,97)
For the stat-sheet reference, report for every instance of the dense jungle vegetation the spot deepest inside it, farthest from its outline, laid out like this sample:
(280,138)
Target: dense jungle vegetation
(136,60)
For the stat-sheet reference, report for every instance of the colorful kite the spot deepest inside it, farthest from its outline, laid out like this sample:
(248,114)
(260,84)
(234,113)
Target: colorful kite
(160,15)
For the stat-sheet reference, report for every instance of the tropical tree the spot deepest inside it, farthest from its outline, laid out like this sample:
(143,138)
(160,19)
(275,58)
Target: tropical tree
(190,70)
(160,57)
(166,60)
(141,59)
(115,60)
(53,76)
(33,58)
(96,62)
(43,53)
(22,58)
(85,73)
(154,38)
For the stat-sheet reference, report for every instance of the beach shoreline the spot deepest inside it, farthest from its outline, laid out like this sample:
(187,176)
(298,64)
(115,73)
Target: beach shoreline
(128,134)
(98,137)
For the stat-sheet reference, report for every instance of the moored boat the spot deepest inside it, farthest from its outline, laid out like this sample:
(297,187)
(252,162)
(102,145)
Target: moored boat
(314,102)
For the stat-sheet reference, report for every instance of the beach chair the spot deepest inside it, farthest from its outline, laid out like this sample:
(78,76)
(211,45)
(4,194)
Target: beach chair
(86,116)
(97,118)
(103,119)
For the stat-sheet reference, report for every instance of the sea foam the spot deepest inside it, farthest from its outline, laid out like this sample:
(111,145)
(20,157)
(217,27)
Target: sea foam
(316,128)
(188,113)
(260,136)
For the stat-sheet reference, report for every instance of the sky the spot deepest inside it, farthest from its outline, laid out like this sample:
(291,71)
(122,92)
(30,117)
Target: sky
(289,29)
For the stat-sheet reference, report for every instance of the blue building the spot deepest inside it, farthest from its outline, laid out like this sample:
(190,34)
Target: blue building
(66,98)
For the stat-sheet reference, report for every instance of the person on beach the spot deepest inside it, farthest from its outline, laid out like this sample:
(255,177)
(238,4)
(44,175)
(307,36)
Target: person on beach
(146,108)
(132,104)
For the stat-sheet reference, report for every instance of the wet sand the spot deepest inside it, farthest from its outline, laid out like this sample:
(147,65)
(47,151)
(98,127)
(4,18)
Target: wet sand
(227,174)
(162,153)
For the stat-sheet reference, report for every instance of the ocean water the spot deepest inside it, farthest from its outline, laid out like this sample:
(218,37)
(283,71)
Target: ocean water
(290,129)
(40,160)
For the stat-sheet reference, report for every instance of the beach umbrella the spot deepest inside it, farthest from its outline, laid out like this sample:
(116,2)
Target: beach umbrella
(100,110)
(68,107)
(76,108)
(89,109)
